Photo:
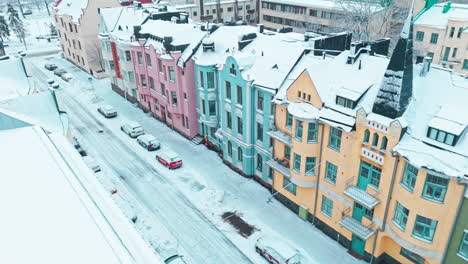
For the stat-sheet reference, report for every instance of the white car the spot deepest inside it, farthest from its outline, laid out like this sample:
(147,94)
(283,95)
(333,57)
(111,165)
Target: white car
(107,111)
(92,164)
(277,251)
(149,142)
(67,77)
(132,129)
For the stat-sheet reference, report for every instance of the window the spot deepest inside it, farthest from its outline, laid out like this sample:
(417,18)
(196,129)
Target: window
(229,150)
(375,140)
(169,115)
(330,172)
(415,258)
(240,156)
(419,36)
(298,130)
(401,216)
(247,7)
(240,127)
(289,186)
(128,56)
(143,79)
(334,141)
(460,30)
(163,91)
(287,152)
(465,64)
(260,131)
(239,95)
(140,58)
(232,70)
(228,90)
(369,214)
(240,8)
(370,172)
(174,98)
(313,12)
(312,132)
(327,206)
(229,121)
(131,76)
(229,9)
(435,188)
(259,166)
(160,66)
(344,102)
(310,166)
(297,162)
(366,137)
(430,55)
(409,177)
(383,145)
(259,101)
(441,136)
(203,106)
(171,74)
(148,59)
(195,13)
(210,79)
(289,120)
(299,94)
(151,83)
(424,228)
(434,37)
(212,107)
(452,32)
(463,249)
(185,96)
(202,81)
(454,53)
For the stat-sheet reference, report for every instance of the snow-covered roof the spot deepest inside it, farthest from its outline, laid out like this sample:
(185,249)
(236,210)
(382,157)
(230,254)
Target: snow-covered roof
(324,4)
(439,100)
(13,79)
(120,20)
(58,211)
(435,17)
(73,8)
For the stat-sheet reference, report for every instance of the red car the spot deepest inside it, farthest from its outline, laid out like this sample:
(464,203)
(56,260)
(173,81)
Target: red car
(169,159)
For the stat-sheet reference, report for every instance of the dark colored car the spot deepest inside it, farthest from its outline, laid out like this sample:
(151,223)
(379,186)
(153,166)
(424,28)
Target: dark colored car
(60,72)
(50,66)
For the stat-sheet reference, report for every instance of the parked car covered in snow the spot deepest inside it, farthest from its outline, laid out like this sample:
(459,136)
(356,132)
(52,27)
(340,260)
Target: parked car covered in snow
(171,256)
(277,251)
(67,77)
(92,164)
(78,147)
(169,159)
(50,66)
(27,12)
(133,129)
(60,72)
(149,142)
(107,111)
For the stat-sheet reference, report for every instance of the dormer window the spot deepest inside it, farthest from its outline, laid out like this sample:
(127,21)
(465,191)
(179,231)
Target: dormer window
(345,102)
(232,70)
(442,136)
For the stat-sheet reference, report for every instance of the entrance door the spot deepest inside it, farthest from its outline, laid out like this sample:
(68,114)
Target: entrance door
(358,245)
(364,176)
(163,114)
(358,212)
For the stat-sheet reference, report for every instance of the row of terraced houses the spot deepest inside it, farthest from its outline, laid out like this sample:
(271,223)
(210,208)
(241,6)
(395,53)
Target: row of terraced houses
(370,149)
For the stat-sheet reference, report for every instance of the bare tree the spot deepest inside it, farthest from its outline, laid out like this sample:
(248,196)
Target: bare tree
(95,58)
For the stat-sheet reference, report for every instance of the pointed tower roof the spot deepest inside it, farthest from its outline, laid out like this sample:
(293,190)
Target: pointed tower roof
(397,85)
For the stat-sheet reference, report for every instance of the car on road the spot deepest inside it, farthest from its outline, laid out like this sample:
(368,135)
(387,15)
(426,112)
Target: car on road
(107,111)
(60,72)
(92,164)
(78,147)
(27,12)
(4,57)
(149,142)
(67,77)
(169,159)
(277,251)
(50,66)
(132,129)
(176,259)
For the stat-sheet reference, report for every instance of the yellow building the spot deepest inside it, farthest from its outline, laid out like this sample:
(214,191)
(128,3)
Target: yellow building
(361,165)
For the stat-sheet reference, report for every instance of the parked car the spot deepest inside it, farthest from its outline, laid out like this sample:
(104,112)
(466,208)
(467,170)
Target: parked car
(67,77)
(171,256)
(27,12)
(169,159)
(50,82)
(50,66)
(133,129)
(149,142)
(4,57)
(176,259)
(107,111)
(78,147)
(22,53)
(60,72)
(92,164)
(277,251)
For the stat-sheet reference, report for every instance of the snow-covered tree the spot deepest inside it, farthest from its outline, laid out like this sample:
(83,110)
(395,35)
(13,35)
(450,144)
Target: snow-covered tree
(4,30)
(53,31)
(15,23)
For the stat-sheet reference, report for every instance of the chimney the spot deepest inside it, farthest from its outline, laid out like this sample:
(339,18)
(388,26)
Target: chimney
(447,7)
(246,39)
(360,64)
(136,31)
(426,66)
(260,28)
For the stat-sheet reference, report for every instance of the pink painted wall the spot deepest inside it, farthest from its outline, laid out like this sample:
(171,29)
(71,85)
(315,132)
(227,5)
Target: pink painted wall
(162,105)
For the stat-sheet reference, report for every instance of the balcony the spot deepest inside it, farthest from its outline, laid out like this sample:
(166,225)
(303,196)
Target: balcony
(356,227)
(280,136)
(361,196)
(279,165)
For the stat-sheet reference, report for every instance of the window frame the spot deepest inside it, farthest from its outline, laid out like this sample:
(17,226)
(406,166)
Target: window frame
(400,216)
(410,175)
(289,186)
(331,172)
(463,243)
(297,160)
(334,139)
(433,182)
(310,164)
(299,130)
(432,228)
(326,207)
(312,132)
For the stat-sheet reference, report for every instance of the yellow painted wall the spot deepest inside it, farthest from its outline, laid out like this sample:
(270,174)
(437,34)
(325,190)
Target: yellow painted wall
(304,84)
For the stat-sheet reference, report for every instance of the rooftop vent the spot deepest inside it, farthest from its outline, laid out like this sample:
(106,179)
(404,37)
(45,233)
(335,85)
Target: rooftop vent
(246,39)
(426,66)
(261,28)
(208,44)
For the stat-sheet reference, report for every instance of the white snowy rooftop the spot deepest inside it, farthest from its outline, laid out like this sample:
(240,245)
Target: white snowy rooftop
(13,79)
(73,8)
(181,33)
(127,17)
(439,100)
(51,215)
(325,4)
(434,17)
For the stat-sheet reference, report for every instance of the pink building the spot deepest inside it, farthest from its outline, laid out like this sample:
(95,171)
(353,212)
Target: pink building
(164,72)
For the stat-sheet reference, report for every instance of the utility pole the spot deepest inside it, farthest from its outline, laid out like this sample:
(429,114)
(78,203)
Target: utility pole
(218,11)
(236,10)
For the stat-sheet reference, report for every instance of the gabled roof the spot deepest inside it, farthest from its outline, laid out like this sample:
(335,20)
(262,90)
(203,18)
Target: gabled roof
(435,17)
(14,81)
(73,8)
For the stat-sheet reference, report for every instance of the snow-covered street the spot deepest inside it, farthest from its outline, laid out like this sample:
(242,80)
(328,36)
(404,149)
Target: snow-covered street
(180,208)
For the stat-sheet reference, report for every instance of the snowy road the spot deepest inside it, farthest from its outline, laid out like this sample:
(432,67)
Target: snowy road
(195,233)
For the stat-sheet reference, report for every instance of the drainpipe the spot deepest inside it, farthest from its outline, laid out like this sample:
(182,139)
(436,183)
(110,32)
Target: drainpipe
(465,185)
(389,196)
(318,173)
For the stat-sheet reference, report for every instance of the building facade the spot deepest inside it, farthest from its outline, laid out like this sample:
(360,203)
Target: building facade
(441,33)
(77,27)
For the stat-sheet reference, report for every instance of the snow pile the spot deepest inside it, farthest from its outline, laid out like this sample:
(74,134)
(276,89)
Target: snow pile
(13,79)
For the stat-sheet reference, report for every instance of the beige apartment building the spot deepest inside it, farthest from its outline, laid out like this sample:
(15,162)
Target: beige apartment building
(77,23)
(441,32)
